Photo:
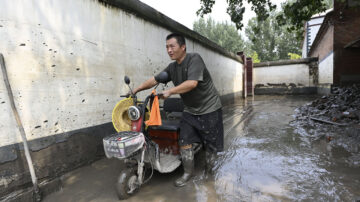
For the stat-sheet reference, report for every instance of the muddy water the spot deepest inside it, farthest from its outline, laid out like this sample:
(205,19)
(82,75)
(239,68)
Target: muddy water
(265,159)
(268,159)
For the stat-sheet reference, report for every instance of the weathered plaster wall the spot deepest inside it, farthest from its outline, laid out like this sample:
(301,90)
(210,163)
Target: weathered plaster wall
(297,74)
(286,77)
(66,61)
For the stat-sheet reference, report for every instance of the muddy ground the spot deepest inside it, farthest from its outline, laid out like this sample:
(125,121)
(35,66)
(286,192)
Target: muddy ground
(271,154)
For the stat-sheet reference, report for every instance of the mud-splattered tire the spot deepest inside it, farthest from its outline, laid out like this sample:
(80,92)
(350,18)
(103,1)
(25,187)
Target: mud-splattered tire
(126,185)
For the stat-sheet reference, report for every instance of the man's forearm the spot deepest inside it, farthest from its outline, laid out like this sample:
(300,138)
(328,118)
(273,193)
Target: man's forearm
(186,86)
(146,85)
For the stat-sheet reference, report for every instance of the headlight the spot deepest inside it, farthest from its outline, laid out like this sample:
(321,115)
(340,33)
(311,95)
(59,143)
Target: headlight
(133,113)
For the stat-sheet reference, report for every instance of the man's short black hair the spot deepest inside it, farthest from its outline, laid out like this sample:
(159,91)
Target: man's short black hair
(179,38)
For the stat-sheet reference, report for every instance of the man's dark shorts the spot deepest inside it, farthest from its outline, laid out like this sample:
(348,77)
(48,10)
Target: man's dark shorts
(207,129)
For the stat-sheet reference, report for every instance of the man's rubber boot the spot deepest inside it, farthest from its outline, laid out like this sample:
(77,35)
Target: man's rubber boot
(210,158)
(187,157)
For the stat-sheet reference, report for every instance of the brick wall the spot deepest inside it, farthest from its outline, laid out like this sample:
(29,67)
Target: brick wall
(324,45)
(346,30)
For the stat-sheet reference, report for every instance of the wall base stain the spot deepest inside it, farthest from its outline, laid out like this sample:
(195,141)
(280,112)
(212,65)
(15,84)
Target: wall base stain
(283,90)
(52,156)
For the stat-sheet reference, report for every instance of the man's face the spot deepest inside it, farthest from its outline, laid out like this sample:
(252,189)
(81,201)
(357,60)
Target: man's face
(174,50)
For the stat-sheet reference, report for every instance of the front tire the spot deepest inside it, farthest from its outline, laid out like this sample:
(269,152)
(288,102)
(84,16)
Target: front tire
(127,183)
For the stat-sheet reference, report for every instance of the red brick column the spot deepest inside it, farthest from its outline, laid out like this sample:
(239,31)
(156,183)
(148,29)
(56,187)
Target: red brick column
(244,82)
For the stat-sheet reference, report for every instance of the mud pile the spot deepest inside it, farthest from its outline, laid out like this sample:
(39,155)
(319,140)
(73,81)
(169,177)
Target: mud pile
(340,108)
(334,118)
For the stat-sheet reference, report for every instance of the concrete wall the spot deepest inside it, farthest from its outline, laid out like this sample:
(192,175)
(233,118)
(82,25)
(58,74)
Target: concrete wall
(326,69)
(286,77)
(304,48)
(66,61)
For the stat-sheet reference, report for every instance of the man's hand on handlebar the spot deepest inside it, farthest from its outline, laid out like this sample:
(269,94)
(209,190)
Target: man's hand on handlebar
(128,94)
(165,94)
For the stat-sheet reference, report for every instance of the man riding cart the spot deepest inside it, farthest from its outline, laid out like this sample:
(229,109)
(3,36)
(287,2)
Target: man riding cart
(202,117)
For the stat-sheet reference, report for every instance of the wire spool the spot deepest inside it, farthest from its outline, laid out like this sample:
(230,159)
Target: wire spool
(120,118)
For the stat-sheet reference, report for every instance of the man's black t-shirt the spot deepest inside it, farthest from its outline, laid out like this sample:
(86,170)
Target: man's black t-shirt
(204,98)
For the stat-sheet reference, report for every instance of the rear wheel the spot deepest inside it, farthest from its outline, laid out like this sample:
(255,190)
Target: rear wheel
(127,183)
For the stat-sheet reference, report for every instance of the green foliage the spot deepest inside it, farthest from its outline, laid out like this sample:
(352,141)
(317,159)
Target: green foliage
(224,34)
(236,9)
(272,35)
(294,56)
(329,3)
(295,12)
(269,40)
(255,57)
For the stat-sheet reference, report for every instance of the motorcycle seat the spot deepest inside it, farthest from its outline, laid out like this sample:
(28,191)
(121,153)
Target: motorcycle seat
(169,125)
(173,108)
(173,105)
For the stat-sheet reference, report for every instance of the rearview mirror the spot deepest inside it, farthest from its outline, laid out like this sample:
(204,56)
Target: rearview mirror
(163,77)
(127,80)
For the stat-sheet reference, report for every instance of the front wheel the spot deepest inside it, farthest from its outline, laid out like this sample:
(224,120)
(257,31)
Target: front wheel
(127,183)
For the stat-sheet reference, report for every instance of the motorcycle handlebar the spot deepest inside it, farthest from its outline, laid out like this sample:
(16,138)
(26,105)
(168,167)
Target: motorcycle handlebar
(128,95)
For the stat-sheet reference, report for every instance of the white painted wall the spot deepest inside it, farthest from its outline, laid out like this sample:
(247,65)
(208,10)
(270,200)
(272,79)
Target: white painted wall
(326,70)
(304,48)
(313,26)
(69,73)
(294,73)
(313,32)
(317,20)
